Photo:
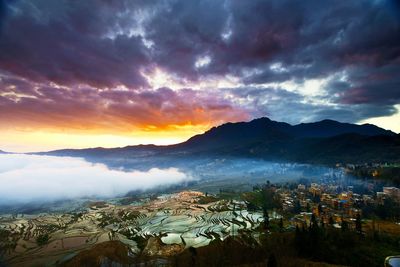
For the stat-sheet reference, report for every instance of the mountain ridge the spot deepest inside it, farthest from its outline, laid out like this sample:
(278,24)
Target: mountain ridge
(264,128)
(263,138)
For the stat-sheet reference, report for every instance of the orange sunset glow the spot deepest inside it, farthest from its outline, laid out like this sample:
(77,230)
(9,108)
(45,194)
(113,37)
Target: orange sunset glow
(199,133)
(35,141)
(76,75)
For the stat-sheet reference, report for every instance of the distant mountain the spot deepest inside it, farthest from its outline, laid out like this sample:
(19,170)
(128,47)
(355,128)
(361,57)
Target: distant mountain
(266,130)
(330,128)
(138,151)
(239,134)
(325,141)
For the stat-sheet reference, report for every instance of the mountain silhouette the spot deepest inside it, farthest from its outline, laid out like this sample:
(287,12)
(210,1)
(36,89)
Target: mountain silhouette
(326,141)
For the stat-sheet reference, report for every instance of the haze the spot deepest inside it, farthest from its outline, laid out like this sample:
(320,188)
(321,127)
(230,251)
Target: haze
(29,178)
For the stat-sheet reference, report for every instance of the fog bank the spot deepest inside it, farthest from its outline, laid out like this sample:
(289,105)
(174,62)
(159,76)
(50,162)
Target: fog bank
(26,178)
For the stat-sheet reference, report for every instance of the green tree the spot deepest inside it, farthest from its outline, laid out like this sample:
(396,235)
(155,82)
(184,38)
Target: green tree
(308,207)
(268,197)
(42,239)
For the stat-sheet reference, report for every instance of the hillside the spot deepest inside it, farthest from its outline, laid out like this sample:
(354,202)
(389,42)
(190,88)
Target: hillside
(325,142)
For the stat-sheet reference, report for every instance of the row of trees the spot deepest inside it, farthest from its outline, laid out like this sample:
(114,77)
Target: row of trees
(346,246)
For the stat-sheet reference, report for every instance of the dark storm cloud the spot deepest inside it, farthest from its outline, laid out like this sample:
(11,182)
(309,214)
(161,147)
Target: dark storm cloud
(309,39)
(234,34)
(380,86)
(276,102)
(185,30)
(66,43)
(3,12)
(68,56)
(339,36)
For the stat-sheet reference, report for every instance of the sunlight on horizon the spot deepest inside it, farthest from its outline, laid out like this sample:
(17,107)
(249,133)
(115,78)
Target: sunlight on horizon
(40,141)
(387,122)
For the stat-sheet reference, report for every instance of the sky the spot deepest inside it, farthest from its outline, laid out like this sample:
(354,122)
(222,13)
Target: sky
(109,73)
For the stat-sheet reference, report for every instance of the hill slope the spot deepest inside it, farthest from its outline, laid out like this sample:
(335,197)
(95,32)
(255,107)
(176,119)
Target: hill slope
(326,141)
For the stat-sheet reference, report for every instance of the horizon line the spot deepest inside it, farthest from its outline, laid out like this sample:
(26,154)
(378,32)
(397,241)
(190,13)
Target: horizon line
(171,144)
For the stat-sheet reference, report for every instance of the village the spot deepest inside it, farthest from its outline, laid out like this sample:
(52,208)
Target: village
(333,204)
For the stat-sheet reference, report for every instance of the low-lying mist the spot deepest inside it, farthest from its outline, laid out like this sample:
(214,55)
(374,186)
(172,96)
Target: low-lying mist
(32,178)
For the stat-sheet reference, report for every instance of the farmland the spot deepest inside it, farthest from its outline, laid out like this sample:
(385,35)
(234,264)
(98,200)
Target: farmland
(177,221)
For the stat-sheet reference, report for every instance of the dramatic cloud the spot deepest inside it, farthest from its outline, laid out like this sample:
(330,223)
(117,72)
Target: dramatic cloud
(134,65)
(26,178)
(124,110)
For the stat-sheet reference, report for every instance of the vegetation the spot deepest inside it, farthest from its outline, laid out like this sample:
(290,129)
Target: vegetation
(386,210)
(262,198)
(326,235)
(333,245)
(385,172)
(42,239)
(206,199)
(306,246)
(7,241)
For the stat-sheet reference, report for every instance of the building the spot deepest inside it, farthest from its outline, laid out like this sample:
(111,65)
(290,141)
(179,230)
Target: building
(301,187)
(392,192)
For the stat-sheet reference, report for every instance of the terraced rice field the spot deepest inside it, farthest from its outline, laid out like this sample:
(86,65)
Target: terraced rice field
(176,219)
(194,227)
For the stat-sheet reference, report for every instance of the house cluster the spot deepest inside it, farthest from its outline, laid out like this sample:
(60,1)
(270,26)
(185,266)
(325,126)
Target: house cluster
(331,204)
(391,192)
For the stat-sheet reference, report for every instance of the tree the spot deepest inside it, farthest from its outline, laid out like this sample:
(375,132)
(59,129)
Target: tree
(281,224)
(314,223)
(42,239)
(331,221)
(375,232)
(298,237)
(320,210)
(345,225)
(268,197)
(316,198)
(251,206)
(358,224)
(272,261)
(308,207)
(296,206)
(266,218)
(193,255)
